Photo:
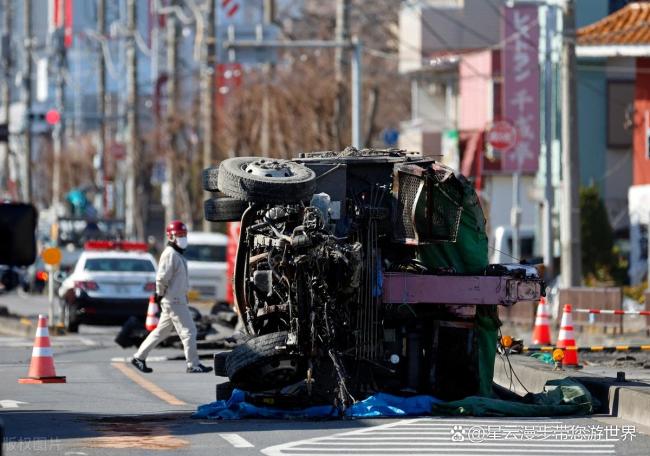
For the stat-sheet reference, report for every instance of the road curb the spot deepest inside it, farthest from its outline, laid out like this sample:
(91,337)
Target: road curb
(17,326)
(629,400)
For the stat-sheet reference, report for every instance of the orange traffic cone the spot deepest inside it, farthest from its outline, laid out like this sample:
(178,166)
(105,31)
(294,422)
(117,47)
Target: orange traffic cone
(41,369)
(566,339)
(152,315)
(542,330)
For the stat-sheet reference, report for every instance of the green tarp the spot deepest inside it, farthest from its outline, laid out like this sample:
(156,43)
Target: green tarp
(469,255)
(559,397)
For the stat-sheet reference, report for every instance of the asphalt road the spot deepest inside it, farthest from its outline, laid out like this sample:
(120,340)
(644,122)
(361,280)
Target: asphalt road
(108,408)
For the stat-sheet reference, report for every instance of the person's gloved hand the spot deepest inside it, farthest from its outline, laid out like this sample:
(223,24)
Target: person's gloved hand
(157,298)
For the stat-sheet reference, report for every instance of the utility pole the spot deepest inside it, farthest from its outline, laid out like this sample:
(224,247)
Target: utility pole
(570,220)
(5,91)
(340,68)
(515,216)
(357,92)
(269,70)
(100,180)
(59,52)
(27,99)
(132,146)
(173,31)
(208,92)
(547,216)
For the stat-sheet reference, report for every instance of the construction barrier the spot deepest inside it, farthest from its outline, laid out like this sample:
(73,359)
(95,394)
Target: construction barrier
(596,299)
(613,312)
(593,348)
(647,319)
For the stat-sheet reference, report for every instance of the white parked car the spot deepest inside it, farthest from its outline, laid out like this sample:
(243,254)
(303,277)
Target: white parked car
(206,264)
(111,282)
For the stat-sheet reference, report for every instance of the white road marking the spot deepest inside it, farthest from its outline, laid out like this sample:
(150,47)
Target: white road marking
(8,403)
(65,341)
(428,436)
(236,440)
(150,359)
(88,342)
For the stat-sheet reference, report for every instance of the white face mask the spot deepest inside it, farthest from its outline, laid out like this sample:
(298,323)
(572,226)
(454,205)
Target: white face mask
(181,242)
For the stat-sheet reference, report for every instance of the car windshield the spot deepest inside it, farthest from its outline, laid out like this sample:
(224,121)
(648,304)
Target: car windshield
(204,252)
(118,265)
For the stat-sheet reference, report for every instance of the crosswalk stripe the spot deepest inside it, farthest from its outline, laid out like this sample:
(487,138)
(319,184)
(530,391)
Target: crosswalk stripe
(422,436)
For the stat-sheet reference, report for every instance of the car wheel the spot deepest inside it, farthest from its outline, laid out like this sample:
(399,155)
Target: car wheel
(70,319)
(262,363)
(223,209)
(265,180)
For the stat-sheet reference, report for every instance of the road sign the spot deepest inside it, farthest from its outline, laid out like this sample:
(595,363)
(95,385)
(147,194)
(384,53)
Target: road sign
(52,256)
(390,136)
(502,135)
(52,117)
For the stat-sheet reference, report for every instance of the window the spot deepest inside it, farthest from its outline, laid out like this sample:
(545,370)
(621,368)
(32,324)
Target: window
(204,252)
(620,105)
(118,265)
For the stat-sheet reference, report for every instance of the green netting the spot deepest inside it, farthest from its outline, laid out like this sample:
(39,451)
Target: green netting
(469,255)
(487,326)
(559,397)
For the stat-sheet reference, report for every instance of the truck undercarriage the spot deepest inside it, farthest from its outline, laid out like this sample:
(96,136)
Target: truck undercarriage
(358,272)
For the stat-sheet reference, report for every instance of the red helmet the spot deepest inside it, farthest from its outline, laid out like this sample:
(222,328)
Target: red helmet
(176,228)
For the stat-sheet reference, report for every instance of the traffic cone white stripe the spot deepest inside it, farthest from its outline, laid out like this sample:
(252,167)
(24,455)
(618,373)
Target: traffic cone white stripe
(42,332)
(151,322)
(542,328)
(42,352)
(567,338)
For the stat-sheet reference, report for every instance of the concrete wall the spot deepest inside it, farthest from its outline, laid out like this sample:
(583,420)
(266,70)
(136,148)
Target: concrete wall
(641,109)
(498,194)
(475,88)
(482,26)
(410,39)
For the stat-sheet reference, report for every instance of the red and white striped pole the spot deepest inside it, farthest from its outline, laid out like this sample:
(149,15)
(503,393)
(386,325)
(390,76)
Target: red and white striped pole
(613,312)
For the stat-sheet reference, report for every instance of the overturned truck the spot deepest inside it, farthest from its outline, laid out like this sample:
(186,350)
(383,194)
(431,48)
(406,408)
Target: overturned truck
(358,272)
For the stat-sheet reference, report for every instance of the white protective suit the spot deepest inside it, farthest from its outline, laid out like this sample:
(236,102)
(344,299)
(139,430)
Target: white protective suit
(172,284)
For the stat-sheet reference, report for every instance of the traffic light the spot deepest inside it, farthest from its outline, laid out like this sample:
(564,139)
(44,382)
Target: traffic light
(4,132)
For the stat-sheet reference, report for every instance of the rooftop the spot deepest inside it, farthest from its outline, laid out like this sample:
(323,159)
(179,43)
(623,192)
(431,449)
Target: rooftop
(629,26)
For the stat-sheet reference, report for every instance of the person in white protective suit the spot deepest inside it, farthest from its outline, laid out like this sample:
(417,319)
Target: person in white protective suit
(172,285)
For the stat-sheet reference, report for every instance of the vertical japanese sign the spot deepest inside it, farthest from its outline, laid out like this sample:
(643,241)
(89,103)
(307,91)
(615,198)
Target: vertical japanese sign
(521,86)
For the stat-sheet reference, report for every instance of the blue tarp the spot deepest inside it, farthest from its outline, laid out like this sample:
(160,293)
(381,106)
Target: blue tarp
(379,405)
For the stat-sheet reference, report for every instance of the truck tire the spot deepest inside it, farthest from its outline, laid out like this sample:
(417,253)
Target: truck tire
(264,180)
(262,363)
(224,391)
(209,179)
(220,363)
(223,209)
